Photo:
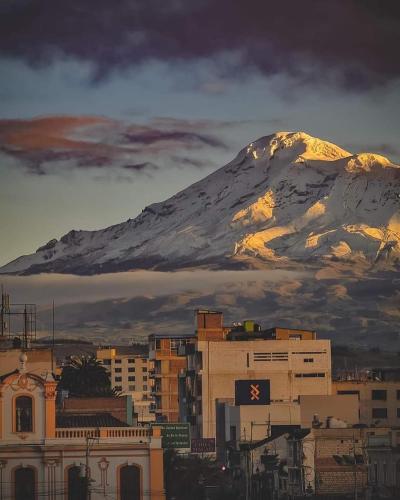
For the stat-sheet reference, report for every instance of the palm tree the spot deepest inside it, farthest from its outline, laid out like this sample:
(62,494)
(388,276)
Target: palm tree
(85,376)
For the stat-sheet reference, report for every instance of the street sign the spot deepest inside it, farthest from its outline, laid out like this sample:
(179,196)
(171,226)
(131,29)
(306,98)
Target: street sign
(252,392)
(203,445)
(174,435)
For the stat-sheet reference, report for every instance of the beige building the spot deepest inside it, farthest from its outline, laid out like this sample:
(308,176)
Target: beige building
(379,401)
(130,375)
(295,366)
(46,455)
(327,462)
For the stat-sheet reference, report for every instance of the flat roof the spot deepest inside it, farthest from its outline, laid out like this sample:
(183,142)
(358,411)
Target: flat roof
(159,335)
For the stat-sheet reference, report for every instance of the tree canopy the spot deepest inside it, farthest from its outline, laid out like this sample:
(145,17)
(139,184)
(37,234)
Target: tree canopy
(85,376)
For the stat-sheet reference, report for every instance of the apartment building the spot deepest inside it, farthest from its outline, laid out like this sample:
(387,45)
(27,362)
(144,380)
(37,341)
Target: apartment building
(379,400)
(293,362)
(167,352)
(130,375)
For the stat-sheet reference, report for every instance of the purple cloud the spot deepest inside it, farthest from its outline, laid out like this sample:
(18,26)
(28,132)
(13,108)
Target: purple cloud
(355,39)
(44,144)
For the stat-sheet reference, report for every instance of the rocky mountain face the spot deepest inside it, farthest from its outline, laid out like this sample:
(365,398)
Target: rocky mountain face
(285,199)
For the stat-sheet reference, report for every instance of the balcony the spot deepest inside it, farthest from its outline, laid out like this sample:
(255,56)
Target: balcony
(138,433)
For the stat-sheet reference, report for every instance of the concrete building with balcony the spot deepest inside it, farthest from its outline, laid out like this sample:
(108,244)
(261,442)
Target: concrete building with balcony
(130,375)
(167,352)
(379,400)
(293,362)
(61,457)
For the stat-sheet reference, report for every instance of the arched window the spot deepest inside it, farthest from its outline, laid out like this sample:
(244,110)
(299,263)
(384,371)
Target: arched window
(25,485)
(129,483)
(23,414)
(76,484)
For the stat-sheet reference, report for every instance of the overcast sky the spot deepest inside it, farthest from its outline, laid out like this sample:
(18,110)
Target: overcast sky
(107,107)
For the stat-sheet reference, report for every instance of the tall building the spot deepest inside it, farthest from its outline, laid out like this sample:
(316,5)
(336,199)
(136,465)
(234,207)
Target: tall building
(292,362)
(70,456)
(130,375)
(168,353)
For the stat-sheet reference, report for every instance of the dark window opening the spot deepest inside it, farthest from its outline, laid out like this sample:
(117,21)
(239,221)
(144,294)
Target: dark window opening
(25,485)
(379,412)
(129,480)
(76,484)
(379,394)
(23,414)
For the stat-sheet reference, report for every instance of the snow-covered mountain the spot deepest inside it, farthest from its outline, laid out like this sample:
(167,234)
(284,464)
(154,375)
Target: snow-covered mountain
(285,198)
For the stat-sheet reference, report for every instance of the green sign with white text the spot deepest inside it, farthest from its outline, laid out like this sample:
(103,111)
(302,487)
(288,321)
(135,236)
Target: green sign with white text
(174,435)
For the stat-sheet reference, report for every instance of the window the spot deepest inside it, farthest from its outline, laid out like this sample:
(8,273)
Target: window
(131,378)
(106,361)
(76,484)
(145,387)
(379,412)
(23,414)
(308,375)
(129,481)
(131,360)
(398,394)
(118,379)
(118,370)
(144,369)
(398,412)
(131,387)
(379,394)
(131,370)
(308,360)
(144,379)
(25,484)
(350,392)
(118,387)
(117,361)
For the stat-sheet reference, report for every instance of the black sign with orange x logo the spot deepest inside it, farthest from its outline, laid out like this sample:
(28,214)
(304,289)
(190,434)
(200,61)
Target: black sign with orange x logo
(252,392)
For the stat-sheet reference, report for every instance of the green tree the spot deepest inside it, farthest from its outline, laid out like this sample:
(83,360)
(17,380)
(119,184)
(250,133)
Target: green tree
(85,376)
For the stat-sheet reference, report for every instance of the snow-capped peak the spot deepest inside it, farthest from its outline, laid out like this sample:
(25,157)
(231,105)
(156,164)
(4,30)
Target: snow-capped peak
(285,197)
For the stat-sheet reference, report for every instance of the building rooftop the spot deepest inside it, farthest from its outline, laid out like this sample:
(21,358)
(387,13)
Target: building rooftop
(159,335)
(88,420)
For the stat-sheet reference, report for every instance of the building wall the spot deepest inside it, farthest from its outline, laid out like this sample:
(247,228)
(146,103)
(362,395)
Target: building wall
(169,357)
(50,452)
(283,362)
(253,423)
(39,360)
(343,407)
(364,390)
(52,463)
(130,375)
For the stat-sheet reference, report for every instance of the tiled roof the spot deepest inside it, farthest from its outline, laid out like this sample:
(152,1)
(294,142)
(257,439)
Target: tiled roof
(69,420)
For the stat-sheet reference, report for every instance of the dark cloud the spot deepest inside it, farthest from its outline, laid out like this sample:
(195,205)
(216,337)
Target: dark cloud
(140,167)
(154,136)
(356,39)
(44,144)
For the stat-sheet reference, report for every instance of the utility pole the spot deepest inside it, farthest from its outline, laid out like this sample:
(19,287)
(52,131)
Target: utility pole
(87,479)
(355,469)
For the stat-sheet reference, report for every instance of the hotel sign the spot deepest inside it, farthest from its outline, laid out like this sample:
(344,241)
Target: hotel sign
(252,392)
(174,435)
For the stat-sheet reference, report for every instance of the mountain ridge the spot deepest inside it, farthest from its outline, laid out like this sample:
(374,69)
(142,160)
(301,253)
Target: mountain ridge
(285,198)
